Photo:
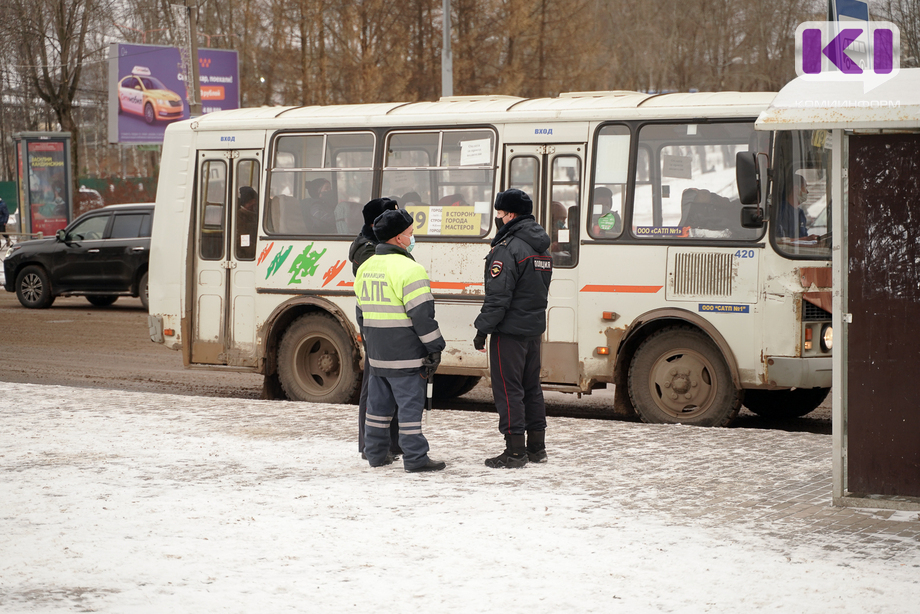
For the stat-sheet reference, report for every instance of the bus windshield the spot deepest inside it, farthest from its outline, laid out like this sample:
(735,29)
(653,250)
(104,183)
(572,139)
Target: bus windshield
(801,214)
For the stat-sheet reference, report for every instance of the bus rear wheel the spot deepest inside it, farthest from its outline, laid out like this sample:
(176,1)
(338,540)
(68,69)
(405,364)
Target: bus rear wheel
(678,375)
(316,361)
(784,404)
(452,386)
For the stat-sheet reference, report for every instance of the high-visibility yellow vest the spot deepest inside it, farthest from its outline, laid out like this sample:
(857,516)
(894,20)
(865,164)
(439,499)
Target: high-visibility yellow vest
(396,312)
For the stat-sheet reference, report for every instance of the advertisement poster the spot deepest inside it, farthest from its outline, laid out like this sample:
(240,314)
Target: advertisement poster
(147,89)
(48,195)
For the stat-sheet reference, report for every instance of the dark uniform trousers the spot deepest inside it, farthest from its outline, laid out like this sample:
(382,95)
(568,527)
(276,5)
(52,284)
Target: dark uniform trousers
(362,414)
(407,394)
(515,369)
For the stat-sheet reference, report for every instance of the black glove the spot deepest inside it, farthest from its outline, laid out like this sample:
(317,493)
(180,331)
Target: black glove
(479,342)
(431,363)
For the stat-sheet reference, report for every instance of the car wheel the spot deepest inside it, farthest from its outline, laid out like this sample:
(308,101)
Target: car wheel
(142,292)
(33,288)
(678,375)
(102,300)
(148,113)
(783,404)
(316,361)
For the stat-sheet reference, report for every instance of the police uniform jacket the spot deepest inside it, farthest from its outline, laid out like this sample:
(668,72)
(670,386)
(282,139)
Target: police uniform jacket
(363,247)
(517,276)
(396,312)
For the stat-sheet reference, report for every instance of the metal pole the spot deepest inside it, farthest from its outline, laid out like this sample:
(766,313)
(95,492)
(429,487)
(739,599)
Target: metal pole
(447,60)
(195,90)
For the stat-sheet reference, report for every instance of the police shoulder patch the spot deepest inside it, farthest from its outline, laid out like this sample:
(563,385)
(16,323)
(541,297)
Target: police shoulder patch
(496,268)
(542,263)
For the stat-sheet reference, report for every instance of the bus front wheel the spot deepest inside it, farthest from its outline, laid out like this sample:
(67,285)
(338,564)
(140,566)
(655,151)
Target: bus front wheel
(678,375)
(315,361)
(783,404)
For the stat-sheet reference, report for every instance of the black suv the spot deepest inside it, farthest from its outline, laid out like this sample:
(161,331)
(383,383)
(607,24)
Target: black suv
(102,255)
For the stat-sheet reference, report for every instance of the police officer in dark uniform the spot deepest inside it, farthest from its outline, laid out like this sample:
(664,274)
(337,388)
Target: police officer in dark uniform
(363,247)
(517,277)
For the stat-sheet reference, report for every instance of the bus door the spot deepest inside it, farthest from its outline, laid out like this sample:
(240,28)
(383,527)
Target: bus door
(226,232)
(552,175)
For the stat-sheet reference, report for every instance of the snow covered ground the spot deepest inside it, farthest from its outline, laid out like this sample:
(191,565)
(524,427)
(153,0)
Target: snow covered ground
(134,502)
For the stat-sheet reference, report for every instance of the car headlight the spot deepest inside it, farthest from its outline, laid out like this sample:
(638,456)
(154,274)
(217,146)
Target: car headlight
(827,338)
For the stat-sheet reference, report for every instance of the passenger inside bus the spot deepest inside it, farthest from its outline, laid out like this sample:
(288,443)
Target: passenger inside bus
(410,199)
(247,222)
(709,215)
(560,234)
(319,209)
(605,222)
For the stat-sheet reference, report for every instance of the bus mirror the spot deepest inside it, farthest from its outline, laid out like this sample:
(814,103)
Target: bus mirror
(751,216)
(748,178)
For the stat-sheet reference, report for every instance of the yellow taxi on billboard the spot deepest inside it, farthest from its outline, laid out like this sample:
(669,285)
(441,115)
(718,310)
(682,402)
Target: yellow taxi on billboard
(142,94)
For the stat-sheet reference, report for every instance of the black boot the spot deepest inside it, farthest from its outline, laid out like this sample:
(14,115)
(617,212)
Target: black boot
(514,456)
(536,446)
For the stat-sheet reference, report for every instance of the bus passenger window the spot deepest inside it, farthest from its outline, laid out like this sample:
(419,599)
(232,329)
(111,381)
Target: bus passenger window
(692,192)
(445,177)
(320,182)
(525,175)
(611,172)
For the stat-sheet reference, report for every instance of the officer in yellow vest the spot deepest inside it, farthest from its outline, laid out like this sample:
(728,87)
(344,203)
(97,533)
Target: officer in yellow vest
(396,317)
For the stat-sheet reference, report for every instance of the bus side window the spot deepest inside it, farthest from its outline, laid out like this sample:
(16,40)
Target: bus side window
(563,213)
(246,224)
(213,193)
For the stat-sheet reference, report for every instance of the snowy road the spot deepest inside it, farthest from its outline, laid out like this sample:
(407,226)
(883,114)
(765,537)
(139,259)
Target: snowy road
(142,502)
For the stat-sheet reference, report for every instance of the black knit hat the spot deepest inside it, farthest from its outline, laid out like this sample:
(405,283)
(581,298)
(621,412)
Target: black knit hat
(374,208)
(514,201)
(391,223)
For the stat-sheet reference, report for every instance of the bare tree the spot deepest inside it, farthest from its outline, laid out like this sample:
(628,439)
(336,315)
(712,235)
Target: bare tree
(53,39)
(906,15)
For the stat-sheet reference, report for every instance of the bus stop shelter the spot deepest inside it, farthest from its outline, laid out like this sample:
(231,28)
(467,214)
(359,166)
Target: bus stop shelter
(874,137)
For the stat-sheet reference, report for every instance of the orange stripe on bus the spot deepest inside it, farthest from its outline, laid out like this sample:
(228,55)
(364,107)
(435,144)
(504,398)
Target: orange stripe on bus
(624,289)
(451,285)
(348,284)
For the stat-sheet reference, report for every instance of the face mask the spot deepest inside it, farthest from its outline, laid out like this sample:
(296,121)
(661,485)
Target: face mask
(499,222)
(411,243)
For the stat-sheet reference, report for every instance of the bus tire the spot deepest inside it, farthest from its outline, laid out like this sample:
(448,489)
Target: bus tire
(33,289)
(315,361)
(678,375)
(452,386)
(784,404)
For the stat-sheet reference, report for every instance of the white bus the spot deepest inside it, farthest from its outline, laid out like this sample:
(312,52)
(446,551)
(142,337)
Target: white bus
(664,283)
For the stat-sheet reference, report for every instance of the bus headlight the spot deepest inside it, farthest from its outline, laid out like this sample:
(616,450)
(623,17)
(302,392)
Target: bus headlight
(827,338)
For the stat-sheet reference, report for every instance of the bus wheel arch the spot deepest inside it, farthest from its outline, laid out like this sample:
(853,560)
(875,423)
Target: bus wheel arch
(707,354)
(337,342)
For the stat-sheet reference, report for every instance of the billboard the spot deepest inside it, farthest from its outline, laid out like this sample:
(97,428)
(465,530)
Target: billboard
(147,89)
